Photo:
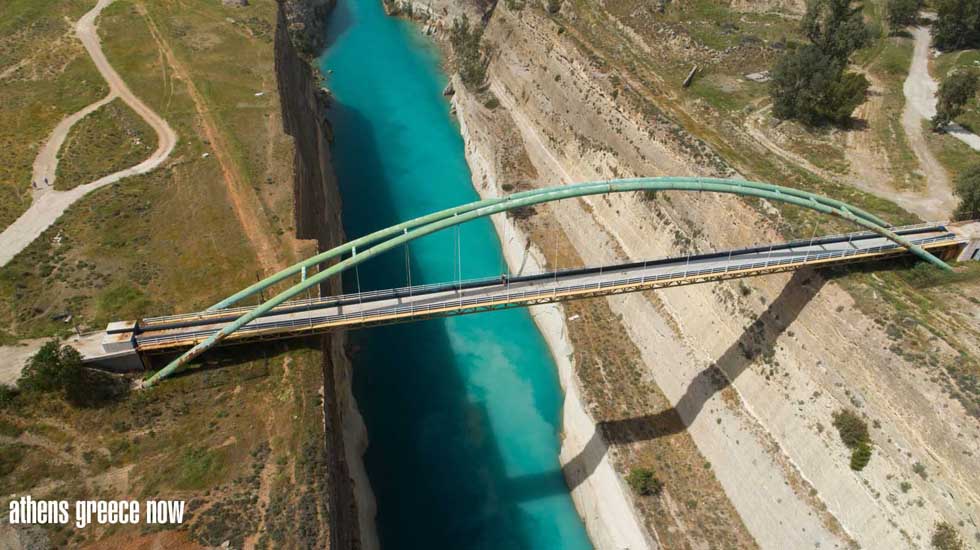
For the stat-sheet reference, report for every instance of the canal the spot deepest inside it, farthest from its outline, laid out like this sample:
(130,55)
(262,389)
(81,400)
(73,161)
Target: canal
(463,414)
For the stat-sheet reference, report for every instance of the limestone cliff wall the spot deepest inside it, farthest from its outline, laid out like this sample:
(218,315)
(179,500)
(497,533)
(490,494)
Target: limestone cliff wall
(753,369)
(300,35)
(304,113)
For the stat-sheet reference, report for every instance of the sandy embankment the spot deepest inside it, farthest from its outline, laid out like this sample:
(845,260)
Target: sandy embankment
(600,498)
(355,445)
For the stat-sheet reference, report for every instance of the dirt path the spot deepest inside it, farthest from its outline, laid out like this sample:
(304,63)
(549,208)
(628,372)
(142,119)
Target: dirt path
(920,103)
(15,356)
(49,204)
(920,92)
(870,171)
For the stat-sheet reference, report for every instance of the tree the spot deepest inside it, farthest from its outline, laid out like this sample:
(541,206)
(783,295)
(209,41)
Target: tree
(811,86)
(643,482)
(836,27)
(954,92)
(902,13)
(968,191)
(945,537)
(809,83)
(957,24)
(52,368)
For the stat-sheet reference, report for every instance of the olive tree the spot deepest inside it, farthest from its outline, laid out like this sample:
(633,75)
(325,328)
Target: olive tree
(968,191)
(811,86)
(902,13)
(955,90)
(810,83)
(957,24)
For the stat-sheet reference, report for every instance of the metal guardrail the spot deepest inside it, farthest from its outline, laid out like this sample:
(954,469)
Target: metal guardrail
(526,295)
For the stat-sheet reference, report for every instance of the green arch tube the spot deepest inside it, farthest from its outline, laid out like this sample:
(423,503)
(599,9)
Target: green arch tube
(479,209)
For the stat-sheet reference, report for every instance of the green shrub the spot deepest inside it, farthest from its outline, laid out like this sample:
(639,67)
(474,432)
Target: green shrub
(58,369)
(468,51)
(968,191)
(905,486)
(945,537)
(643,482)
(7,395)
(522,213)
(920,469)
(852,428)
(10,457)
(955,90)
(836,27)
(860,457)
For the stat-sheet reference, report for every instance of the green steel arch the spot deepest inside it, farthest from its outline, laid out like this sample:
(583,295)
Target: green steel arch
(405,232)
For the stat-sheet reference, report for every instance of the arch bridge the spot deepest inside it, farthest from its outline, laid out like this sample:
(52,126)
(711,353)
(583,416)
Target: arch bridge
(283,317)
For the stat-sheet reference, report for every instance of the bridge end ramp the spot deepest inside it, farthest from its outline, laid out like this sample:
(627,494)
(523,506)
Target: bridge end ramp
(968,231)
(116,351)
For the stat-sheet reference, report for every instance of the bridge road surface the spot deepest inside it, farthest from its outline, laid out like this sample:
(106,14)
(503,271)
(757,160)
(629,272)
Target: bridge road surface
(297,318)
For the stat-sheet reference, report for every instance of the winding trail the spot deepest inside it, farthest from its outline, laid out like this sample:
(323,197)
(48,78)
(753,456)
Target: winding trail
(920,103)
(48,203)
(920,91)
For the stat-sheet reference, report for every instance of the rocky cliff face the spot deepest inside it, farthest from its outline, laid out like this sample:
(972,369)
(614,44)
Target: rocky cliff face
(727,391)
(304,113)
(724,390)
(300,36)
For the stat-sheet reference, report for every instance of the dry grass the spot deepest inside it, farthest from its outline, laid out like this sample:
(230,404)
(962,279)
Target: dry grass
(163,444)
(218,438)
(45,75)
(169,240)
(106,141)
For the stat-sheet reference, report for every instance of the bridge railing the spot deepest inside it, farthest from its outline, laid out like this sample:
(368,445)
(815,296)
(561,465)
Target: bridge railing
(477,281)
(526,295)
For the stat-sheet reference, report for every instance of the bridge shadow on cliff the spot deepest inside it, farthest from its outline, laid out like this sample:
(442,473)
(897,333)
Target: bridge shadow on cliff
(757,340)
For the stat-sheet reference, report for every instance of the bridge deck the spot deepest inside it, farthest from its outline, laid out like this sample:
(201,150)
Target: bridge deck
(396,305)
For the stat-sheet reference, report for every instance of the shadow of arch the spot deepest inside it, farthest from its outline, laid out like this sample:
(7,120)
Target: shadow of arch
(758,339)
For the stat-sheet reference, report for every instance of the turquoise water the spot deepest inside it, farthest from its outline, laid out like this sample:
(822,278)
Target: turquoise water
(463,414)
